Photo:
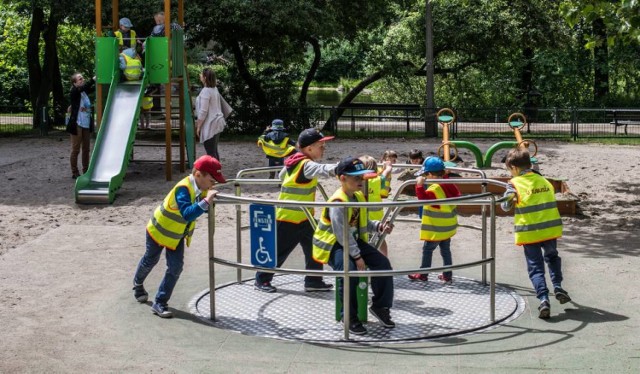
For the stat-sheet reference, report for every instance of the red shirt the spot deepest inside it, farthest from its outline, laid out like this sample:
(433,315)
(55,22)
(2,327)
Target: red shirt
(450,190)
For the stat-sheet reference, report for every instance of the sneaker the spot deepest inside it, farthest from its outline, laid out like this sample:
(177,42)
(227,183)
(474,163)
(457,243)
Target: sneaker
(161,310)
(140,293)
(264,287)
(544,310)
(561,295)
(318,287)
(445,279)
(383,315)
(419,277)
(357,328)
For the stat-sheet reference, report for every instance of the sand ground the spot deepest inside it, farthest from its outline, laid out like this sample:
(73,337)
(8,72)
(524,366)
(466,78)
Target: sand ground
(65,274)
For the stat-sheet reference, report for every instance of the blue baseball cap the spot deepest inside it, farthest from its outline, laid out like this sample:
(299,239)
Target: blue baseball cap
(431,164)
(277,124)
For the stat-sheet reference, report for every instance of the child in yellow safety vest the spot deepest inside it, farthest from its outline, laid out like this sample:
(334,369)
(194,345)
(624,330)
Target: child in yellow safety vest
(439,222)
(537,226)
(276,144)
(146,106)
(299,181)
(126,35)
(375,186)
(329,245)
(392,157)
(130,65)
(171,226)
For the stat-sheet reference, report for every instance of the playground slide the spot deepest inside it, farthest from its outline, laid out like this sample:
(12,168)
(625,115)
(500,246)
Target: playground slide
(113,146)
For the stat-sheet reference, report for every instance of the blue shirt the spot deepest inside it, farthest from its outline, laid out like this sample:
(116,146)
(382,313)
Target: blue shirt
(84,111)
(190,210)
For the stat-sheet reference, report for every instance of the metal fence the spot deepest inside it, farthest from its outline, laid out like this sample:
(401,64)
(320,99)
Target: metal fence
(397,120)
(16,121)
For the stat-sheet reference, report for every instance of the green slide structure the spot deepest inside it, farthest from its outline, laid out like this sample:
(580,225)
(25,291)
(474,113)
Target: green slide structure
(114,144)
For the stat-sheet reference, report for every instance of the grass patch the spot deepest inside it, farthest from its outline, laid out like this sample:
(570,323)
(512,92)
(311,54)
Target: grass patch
(612,141)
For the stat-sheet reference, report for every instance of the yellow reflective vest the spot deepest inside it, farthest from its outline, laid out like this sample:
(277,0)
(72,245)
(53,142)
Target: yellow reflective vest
(324,238)
(274,149)
(438,224)
(131,42)
(374,195)
(133,70)
(147,102)
(293,190)
(385,187)
(167,227)
(536,217)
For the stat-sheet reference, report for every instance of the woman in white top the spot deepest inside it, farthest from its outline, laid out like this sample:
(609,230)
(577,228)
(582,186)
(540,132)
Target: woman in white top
(211,111)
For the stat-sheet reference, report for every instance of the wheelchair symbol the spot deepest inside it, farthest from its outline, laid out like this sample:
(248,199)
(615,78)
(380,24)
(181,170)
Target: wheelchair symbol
(262,255)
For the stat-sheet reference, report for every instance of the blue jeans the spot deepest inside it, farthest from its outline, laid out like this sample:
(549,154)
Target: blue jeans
(533,253)
(382,287)
(445,252)
(175,262)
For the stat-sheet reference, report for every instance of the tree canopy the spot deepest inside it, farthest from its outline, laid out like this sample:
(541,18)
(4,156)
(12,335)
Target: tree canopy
(486,52)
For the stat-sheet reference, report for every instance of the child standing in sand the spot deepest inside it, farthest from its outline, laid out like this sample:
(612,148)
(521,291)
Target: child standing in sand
(537,226)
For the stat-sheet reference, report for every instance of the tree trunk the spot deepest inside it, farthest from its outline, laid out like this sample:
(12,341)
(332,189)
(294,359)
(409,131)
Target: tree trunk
(600,62)
(50,56)
(259,96)
(60,102)
(333,120)
(526,75)
(317,55)
(33,60)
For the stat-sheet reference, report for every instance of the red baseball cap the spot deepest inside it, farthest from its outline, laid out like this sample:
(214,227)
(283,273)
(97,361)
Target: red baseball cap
(210,165)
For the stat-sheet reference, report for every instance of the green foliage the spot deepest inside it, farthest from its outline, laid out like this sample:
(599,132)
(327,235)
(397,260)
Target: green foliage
(622,19)
(480,60)
(13,70)
(274,38)
(75,49)
(483,49)
(340,59)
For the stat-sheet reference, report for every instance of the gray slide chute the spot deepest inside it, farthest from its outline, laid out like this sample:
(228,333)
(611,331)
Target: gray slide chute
(114,144)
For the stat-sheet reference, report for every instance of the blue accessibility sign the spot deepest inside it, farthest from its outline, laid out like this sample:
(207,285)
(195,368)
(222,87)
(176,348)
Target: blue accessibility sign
(263,235)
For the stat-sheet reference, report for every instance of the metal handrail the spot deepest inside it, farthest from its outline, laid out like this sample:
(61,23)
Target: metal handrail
(484,199)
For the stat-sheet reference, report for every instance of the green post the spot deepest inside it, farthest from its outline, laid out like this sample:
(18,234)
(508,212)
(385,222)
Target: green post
(43,122)
(362,296)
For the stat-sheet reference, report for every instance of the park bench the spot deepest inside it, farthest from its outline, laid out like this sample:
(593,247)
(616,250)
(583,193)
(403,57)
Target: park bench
(370,112)
(623,117)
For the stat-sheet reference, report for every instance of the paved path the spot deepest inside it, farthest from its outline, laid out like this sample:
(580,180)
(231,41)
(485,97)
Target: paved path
(66,305)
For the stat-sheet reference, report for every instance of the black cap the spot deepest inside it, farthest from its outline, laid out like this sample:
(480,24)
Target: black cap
(310,136)
(352,166)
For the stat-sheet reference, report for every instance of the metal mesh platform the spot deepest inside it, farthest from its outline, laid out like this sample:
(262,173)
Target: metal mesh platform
(421,310)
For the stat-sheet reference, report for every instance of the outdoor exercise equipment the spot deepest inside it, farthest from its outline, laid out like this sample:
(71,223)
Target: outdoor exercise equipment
(446,117)
(118,115)
(516,121)
(311,316)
